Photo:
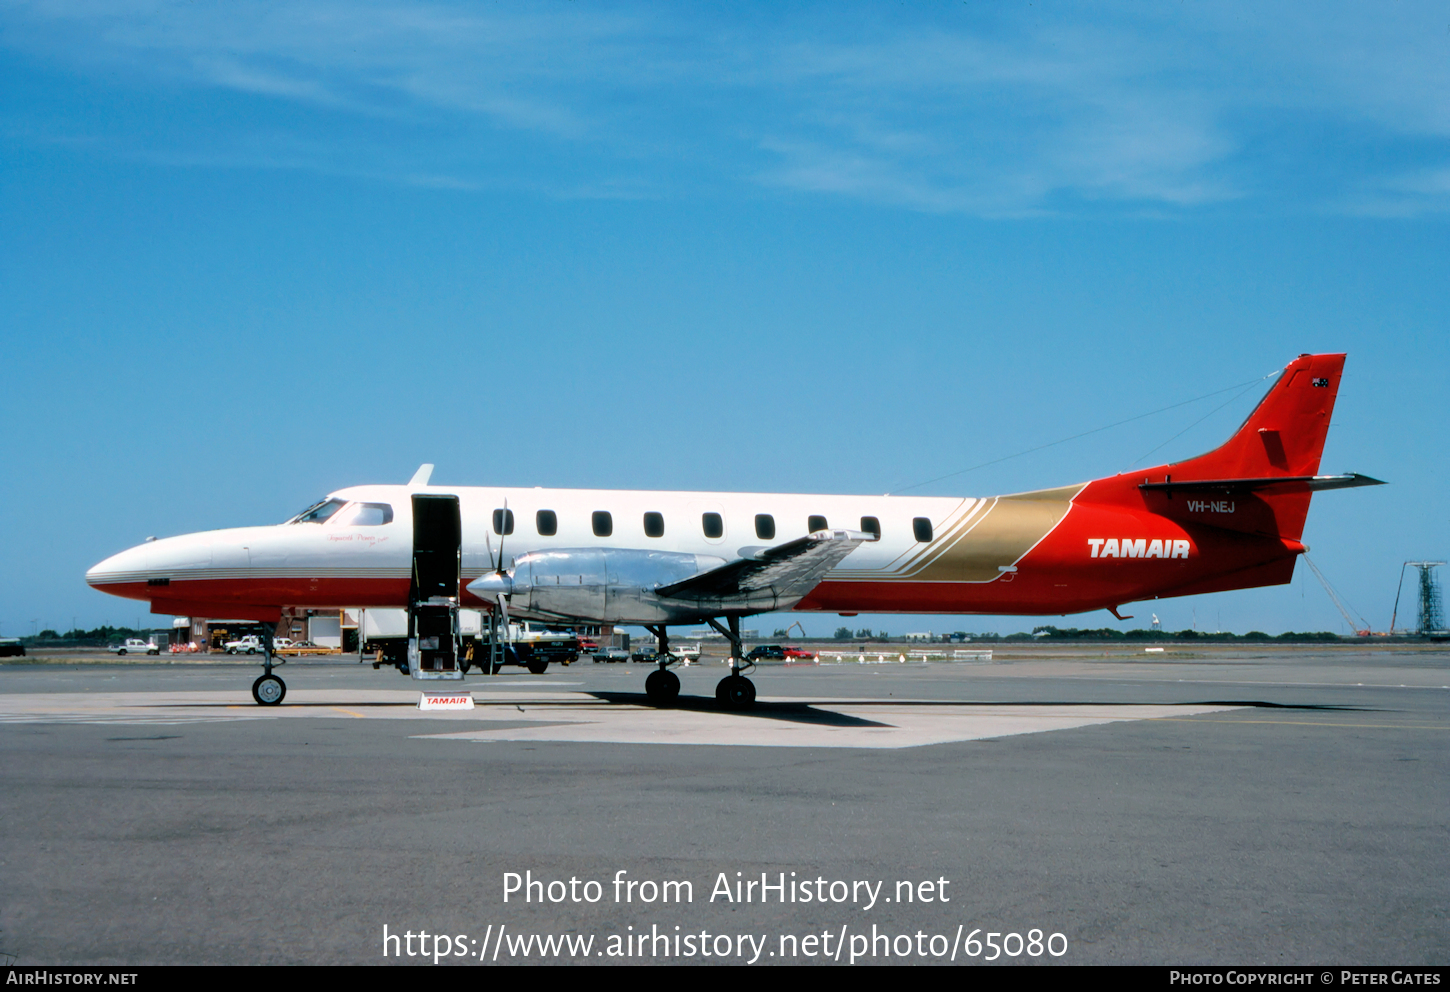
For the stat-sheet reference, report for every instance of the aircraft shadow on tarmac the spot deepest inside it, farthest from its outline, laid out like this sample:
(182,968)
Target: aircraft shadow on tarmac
(789,711)
(808,712)
(803,712)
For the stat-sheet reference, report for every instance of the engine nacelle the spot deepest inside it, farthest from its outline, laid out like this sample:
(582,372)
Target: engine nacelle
(601,585)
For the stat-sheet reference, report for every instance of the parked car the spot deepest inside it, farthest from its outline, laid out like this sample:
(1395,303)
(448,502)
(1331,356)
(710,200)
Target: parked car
(250,644)
(611,654)
(137,645)
(10,647)
(797,653)
(588,646)
(761,652)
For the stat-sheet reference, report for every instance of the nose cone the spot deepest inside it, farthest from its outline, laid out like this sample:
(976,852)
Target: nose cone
(124,574)
(155,563)
(128,566)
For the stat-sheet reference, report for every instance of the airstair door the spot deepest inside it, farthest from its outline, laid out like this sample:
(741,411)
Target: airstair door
(433,637)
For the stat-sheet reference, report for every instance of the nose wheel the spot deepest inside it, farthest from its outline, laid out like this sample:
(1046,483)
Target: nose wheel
(268,690)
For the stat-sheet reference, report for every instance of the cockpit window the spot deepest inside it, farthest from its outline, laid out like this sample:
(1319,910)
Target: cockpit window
(364,515)
(318,512)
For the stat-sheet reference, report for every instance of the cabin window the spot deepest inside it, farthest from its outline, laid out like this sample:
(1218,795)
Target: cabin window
(503,521)
(364,515)
(816,523)
(921,528)
(654,524)
(871,526)
(764,526)
(318,512)
(547,523)
(713,524)
(603,523)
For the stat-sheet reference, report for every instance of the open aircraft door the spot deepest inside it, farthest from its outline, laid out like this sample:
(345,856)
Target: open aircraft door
(433,638)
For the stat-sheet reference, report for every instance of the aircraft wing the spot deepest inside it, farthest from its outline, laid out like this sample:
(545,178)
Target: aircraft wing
(769,578)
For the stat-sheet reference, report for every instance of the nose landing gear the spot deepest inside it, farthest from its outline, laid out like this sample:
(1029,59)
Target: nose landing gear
(268,690)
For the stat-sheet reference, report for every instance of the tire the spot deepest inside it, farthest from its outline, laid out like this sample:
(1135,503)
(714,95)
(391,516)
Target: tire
(735,692)
(538,666)
(251,650)
(269,690)
(662,687)
(121,652)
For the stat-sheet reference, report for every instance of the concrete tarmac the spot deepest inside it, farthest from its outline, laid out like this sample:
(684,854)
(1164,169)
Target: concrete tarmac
(1220,806)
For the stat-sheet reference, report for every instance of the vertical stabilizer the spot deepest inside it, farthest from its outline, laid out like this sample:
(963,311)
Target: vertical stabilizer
(1282,438)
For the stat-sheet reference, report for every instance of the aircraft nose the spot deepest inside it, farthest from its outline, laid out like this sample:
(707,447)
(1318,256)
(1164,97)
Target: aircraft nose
(129,566)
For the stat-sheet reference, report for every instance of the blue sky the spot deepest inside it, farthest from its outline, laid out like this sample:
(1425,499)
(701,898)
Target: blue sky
(254,252)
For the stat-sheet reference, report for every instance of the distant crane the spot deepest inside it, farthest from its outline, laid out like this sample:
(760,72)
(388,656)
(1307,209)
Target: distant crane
(1432,613)
(1361,628)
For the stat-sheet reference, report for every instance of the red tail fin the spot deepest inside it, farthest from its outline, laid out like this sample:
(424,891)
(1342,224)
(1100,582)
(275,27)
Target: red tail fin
(1285,433)
(1283,438)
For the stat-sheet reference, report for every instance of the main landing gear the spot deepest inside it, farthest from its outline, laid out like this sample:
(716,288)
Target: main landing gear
(663,686)
(268,690)
(735,691)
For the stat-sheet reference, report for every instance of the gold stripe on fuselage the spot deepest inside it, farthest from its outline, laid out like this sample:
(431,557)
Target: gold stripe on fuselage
(994,534)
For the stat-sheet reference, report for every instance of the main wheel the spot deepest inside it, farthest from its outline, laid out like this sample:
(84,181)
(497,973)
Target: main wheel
(735,692)
(268,690)
(661,687)
(538,666)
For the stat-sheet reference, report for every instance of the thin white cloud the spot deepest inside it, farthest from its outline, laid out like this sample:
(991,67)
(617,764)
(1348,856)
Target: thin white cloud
(1151,108)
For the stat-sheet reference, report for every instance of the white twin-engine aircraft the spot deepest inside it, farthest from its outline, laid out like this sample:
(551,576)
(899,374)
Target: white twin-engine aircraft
(1229,519)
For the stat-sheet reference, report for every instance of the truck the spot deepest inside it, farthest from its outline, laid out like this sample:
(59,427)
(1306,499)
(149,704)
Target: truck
(533,647)
(384,634)
(136,645)
(251,644)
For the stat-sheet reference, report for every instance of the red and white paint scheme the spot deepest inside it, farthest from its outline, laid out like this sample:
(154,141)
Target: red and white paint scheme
(1228,519)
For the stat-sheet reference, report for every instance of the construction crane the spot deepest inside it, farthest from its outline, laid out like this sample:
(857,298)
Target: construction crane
(1361,628)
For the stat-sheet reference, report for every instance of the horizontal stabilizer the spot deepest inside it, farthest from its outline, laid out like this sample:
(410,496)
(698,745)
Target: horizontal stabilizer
(1280,484)
(788,571)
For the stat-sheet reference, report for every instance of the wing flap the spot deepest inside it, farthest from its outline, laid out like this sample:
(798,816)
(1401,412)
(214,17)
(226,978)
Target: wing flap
(782,573)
